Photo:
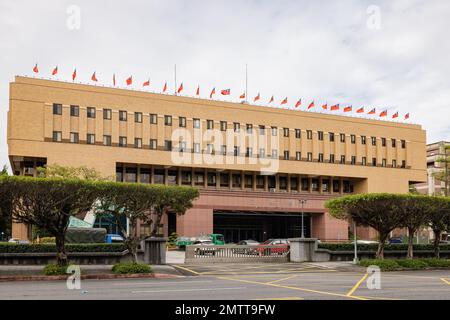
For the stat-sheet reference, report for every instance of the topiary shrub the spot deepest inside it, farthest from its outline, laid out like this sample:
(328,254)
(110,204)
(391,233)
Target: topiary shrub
(437,263)
(385,265)
(130,268)
(54,270)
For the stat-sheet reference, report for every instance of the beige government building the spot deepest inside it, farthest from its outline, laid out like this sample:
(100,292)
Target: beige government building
(248,190)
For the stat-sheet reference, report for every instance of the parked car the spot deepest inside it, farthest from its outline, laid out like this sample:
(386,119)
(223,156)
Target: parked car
(204,243)
(18,241)
(246,250)
(365,242)
(281,247)
(395,240)
(114,238)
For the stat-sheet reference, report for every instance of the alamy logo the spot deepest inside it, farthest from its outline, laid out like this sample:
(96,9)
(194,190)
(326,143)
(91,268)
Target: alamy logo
(74,280)
(373,281)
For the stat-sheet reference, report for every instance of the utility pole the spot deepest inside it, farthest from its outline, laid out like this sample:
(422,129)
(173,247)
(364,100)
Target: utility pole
(302,202)
(355,257)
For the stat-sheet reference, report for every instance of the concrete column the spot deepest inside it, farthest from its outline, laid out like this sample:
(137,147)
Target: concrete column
(331,185)
(138,174)
(192,177)
(179,176)
(320,184)
(205,179)
(341,186)
(288,183)
(277,182)
(152,175)
(217,179)
(266,183)
(299,184)
(254,182)
(230,178)
(309,184)
(242,180)
(166,176)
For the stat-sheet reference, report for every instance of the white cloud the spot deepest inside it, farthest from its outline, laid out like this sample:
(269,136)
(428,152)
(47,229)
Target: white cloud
(319,50)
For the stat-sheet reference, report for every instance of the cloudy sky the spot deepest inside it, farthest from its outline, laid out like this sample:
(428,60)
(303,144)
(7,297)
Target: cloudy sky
(390,54)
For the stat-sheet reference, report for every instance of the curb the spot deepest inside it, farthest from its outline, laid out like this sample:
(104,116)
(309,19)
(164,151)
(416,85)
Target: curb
(90,277)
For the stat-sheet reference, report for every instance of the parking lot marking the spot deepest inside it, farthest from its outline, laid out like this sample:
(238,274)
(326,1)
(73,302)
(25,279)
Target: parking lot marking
(188,290)
(186,269)
(285,298)
(282,279)
(356,286)
(446,281)
(294,288)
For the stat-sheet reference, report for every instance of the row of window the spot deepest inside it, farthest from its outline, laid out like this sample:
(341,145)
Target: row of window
(123,142)
(91,112)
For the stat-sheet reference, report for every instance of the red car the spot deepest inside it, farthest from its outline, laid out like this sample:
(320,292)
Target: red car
(281,246)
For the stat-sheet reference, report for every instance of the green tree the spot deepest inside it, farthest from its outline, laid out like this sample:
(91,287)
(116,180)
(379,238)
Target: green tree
(377,210)
(48,203)
(444,175)
(57,171)
(439,219)
(5,205)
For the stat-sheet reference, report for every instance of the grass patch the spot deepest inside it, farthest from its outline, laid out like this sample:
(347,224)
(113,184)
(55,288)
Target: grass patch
(131,268)
(405,264)
(54,270)
(385,265)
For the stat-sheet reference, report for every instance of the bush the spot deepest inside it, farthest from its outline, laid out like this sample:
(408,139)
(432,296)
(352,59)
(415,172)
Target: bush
(437,263)
(51,248)
(46,240)
(54,270)
(373,247)
(412,264)
(130,268)
(399,264)
(385,265)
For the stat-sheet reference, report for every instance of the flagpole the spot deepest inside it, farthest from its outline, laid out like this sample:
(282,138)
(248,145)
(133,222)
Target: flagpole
(175,72)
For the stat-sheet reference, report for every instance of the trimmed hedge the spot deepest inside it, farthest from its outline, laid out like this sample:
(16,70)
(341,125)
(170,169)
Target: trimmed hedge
(54,270)
(402,264)
(131,268)
(70,247)
(373,247)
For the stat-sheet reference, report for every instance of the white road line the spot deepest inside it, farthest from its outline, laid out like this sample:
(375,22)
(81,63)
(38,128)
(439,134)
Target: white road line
(187,290)
(159,282)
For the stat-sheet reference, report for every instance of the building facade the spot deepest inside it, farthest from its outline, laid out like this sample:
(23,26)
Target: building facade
(252,164)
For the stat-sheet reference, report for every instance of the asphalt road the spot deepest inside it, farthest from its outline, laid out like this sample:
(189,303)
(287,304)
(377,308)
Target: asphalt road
(264,282)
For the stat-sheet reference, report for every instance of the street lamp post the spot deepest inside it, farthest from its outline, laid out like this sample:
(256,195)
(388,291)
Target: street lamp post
(302,202)
(355,258)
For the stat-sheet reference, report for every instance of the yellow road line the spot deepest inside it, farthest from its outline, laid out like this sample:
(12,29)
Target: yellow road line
(187,269)
(293,288)
(286,298)
(356,286)
(282,279)
(446,281)
(244,272)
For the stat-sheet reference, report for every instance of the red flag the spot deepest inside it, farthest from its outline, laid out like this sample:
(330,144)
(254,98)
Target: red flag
(395,115)
(165,87)
(130,80)
(271,100)
(371,111)
(55,71)
(146,83)
(35,69)
(311,105)
(256,98)
(242,96)
(284,101)
(406,116)
(198,91)
(334,107)
(74,74)
(180,88)
(348,109)
(225,92)
(360,110)
(299,103)
(114,79)
(325,106)
(383,113)
(213,91)
(94,78)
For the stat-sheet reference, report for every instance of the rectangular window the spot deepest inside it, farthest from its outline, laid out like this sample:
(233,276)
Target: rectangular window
(274,153)
(364,161)
(262,152)
(286,132)
(394,163)
(374,162)
(123,115)
(310,157)
(196,123)
(209,148)
(383,142)
(153,144)
(182,146)
(57,136)
(353,139)
(331,136)
(374,141)
(394,143)
(74,111)
(298,156)
(342,137)
(249,152)
(122,141)
(167,120)
(305,184)
(196,147)
(403,164)
(138,143)
(223,149)
(320,157)
(236,126)
(236,151)
(153,118)
(107,114)
(262,130)
(167,145)
(274,131)
(209,124)
(223,126)
(342,159)
(309,134)
(74,137)
(298,133)
(383,162)
(182,122)
(353,160)
(320,135)
(249,128)
(90,112)
(106,140)
(286,155)
(90,138)
(138,117)
(363,139)
(57,108)
(331,158)
(403,142)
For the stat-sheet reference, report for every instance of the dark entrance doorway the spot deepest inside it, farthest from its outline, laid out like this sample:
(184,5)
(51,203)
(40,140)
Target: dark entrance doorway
(259,226)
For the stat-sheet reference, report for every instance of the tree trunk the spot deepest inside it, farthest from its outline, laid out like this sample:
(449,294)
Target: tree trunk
(437,240)
(61,256)
(410,243)
(380,250)
(156,224)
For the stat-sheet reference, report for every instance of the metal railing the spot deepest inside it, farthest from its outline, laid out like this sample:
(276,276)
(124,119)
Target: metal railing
(236,253)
